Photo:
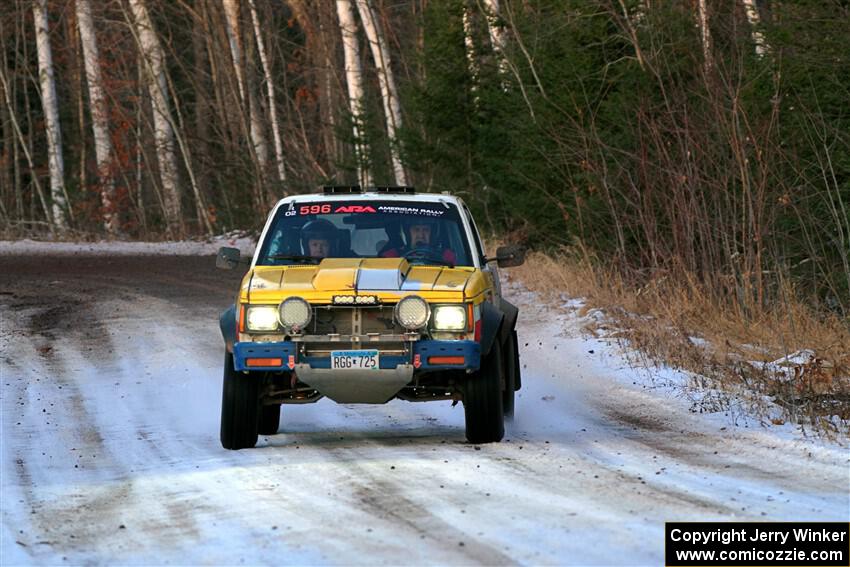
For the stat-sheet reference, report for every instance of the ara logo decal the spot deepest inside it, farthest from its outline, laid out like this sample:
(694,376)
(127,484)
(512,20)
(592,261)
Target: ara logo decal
(355,209)
(417,361)
(291,362)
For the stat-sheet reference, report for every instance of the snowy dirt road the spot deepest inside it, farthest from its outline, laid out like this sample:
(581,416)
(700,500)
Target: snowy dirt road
(111,378)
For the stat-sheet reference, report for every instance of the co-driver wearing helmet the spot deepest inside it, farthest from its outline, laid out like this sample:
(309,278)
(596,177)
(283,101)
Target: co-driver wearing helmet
(421,236)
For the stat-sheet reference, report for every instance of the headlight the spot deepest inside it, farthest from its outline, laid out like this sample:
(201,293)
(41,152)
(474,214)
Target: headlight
(261,318)
(450,318)
(294,313)
(412,312)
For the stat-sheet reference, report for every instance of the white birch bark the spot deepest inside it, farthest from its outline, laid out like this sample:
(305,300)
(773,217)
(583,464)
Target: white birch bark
(99,115)
(386,80)
(497,33)
(755,24)
(705,34)
(354,79)
(231,21)
(258,139)
(47,84)
(275,123)
(163,132)
(469,45)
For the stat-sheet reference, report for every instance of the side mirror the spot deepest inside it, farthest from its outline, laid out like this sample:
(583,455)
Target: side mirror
(509,256)
(227,258)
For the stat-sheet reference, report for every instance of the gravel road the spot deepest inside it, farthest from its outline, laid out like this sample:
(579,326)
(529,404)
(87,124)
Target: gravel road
(111,378)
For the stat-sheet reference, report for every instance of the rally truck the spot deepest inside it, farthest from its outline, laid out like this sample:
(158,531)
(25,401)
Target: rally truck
(364,296)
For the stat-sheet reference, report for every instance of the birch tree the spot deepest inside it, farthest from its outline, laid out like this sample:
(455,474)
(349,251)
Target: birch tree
(270,90)
(705,34)
(99,115)
(469,47)
(754,20)
(154,63)
(386,80)
(496,32)
(246,92)
(354,80)
(50,103)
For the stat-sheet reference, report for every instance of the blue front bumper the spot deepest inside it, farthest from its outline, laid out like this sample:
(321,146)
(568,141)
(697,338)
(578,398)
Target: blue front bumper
(420,357)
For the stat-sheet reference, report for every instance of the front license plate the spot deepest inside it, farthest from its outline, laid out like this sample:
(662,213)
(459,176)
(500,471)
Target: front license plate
(354,360)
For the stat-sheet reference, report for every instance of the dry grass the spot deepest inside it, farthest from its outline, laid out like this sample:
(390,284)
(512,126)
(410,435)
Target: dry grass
(678,323)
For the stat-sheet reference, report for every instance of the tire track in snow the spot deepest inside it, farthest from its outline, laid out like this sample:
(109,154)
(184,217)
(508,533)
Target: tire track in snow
(618,461)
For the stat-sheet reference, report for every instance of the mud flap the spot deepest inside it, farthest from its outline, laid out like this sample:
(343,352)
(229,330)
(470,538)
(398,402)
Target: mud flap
(497,323)
(491,327)
(227,324)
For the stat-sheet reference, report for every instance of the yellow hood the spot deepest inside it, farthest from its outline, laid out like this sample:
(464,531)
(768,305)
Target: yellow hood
(388,278)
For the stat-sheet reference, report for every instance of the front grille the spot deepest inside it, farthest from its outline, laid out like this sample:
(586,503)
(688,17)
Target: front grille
(353,321)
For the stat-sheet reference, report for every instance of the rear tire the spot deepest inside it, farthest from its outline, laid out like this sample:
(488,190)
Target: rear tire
(240,407)
(269,420)
(511,365)
(482,400)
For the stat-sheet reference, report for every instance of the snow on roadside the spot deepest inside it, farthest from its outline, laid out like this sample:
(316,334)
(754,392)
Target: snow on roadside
(237,239)
(722,409)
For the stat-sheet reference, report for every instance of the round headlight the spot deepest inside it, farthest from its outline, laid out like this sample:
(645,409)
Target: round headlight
(294,313)
(412,312)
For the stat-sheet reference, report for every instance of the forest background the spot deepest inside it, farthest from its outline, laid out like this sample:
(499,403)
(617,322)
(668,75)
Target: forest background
(690,149)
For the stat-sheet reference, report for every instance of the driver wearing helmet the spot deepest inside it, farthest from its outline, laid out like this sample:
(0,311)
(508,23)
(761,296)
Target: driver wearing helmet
(319,239)
(421,235)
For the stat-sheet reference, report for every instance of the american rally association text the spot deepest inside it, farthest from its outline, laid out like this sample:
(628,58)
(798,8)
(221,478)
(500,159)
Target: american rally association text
(756,534)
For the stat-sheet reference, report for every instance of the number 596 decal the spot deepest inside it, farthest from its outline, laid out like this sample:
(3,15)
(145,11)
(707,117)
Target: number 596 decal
(314,209)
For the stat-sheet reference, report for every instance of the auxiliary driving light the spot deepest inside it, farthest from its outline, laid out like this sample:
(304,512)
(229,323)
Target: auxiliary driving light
(294,313)
(412,312)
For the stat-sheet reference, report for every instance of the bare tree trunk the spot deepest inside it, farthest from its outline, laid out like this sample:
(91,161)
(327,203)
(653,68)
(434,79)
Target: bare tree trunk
(354,79)
(179,127)
(231,22)
(471,61)
(330,101)
(163,132)
(75,69)
(754,19)
(140,155)
(389,93)
(8,155)
(319,24)
(99,116)
(25,146)
(267,72)
(202,88)
(246,92)
(497,33)
(51,116)
(705,35)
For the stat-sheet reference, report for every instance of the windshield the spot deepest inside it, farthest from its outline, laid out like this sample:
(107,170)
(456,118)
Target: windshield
(423,233)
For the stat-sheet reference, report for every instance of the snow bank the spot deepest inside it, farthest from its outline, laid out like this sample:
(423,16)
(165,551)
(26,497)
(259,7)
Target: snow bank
(245,243)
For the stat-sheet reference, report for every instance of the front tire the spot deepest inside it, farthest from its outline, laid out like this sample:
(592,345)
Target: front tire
(482,400)
(240,408)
